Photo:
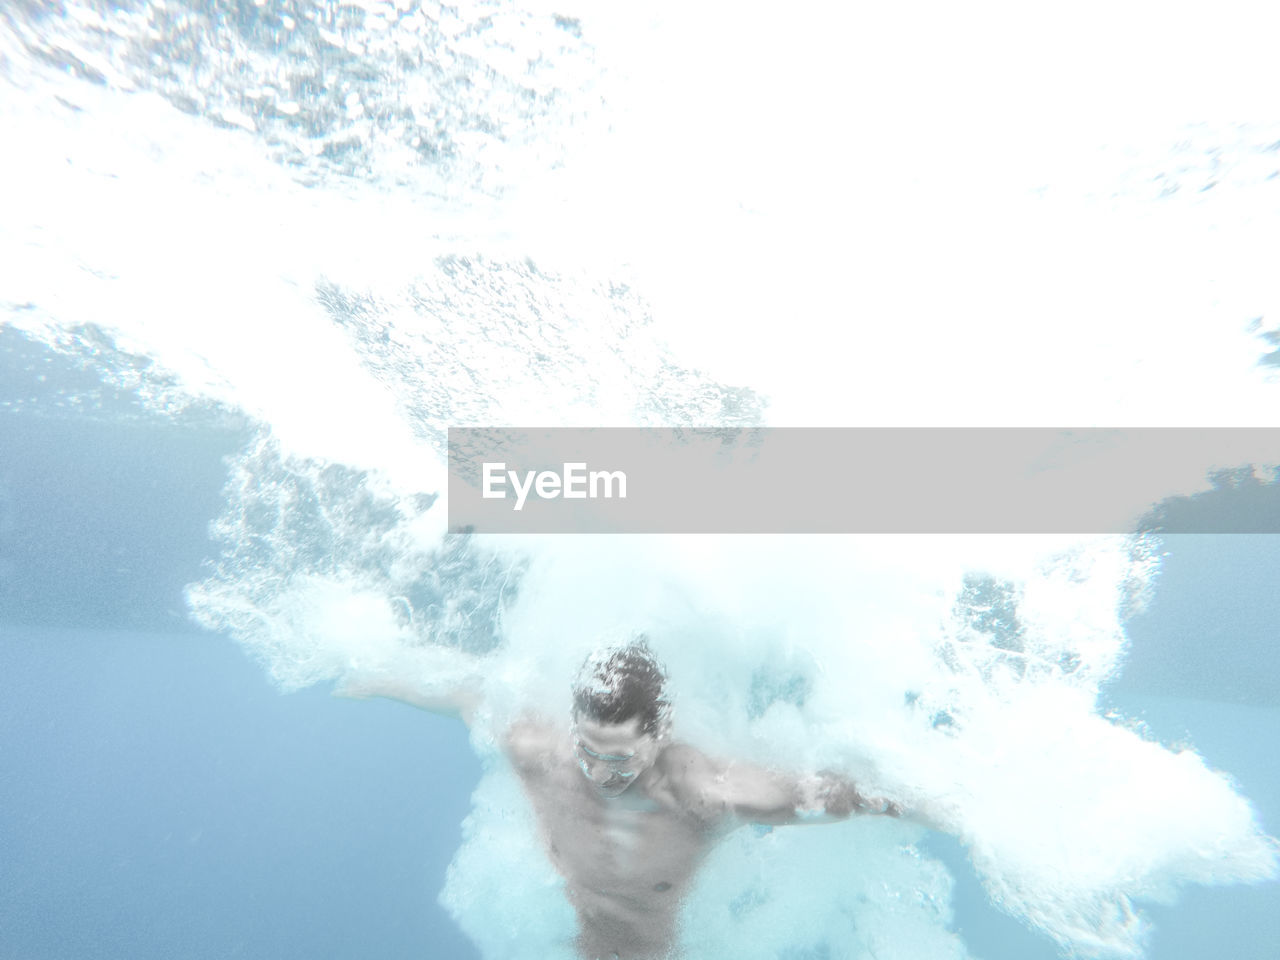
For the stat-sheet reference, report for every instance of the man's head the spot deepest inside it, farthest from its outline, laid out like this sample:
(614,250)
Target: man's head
(620,715)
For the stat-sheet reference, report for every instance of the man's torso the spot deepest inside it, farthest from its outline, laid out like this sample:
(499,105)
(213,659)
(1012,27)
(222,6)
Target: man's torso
(627,861)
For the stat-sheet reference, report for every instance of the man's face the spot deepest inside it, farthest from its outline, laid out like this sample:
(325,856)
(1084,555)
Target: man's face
(613,755)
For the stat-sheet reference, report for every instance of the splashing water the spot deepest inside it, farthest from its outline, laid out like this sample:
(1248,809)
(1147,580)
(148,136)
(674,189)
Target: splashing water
(359,224)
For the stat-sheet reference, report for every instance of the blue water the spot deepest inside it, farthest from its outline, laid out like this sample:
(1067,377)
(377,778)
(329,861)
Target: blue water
(161,800)
(158,797)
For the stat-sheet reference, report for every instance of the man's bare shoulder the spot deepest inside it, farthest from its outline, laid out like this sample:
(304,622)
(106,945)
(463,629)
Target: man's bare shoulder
(533,743)
(692,776)
(686,763)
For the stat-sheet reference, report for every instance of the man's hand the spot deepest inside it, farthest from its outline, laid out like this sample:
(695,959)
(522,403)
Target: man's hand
(831,794)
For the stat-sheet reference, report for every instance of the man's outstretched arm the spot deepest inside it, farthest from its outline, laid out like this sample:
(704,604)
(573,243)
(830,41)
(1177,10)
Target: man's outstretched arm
(459,702)
(756,795)
(528,743)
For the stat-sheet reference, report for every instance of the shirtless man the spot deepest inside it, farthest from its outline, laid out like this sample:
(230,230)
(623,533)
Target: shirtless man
(626,813)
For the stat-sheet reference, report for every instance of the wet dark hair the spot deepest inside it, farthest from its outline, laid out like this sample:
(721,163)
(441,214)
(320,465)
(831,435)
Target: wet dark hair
(617,684)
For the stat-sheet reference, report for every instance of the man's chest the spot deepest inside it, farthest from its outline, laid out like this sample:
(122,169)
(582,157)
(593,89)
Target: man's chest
(626,846)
